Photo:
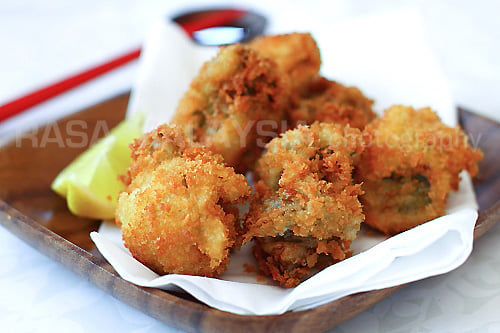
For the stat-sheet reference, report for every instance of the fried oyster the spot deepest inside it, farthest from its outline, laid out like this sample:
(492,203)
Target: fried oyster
(411,163)
(305,211)
(329,101)
(234,94)
(296,54)
(177,213)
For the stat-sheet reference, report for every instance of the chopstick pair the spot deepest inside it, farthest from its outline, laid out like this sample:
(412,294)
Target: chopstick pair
(209,19)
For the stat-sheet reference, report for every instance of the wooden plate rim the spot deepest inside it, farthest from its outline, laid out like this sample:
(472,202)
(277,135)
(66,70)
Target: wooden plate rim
(160,302)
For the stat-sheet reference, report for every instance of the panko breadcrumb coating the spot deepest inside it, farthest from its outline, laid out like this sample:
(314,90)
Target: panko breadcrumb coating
(177,213)
(232,96)
(297,56)
(411,163)
(305,210)
(329,101)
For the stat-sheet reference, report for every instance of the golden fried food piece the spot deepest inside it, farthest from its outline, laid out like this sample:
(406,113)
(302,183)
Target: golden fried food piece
(411,163)
(236,102)
(329,101)
(306,205)
(177,213)
(289,259)
(296,54)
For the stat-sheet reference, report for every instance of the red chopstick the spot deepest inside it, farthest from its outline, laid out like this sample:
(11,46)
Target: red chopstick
(20,104)
(29,100)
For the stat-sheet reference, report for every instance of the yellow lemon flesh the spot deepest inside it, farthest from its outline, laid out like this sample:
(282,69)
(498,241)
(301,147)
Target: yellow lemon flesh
(90,183)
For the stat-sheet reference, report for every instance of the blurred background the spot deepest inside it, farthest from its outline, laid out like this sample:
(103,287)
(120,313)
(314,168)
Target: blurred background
(44,41)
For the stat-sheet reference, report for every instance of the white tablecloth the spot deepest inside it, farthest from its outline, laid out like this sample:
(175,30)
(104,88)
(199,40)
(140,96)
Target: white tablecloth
(44,41)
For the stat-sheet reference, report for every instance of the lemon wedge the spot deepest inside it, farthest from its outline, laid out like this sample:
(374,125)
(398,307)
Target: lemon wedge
(90,183)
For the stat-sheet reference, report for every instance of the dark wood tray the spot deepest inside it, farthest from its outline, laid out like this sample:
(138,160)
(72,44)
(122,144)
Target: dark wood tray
(30,210)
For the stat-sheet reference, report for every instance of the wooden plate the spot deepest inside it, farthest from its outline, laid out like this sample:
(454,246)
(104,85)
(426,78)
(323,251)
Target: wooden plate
(29,209)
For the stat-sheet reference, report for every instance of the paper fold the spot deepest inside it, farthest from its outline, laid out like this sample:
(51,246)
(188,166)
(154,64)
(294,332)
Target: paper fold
(407,257)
